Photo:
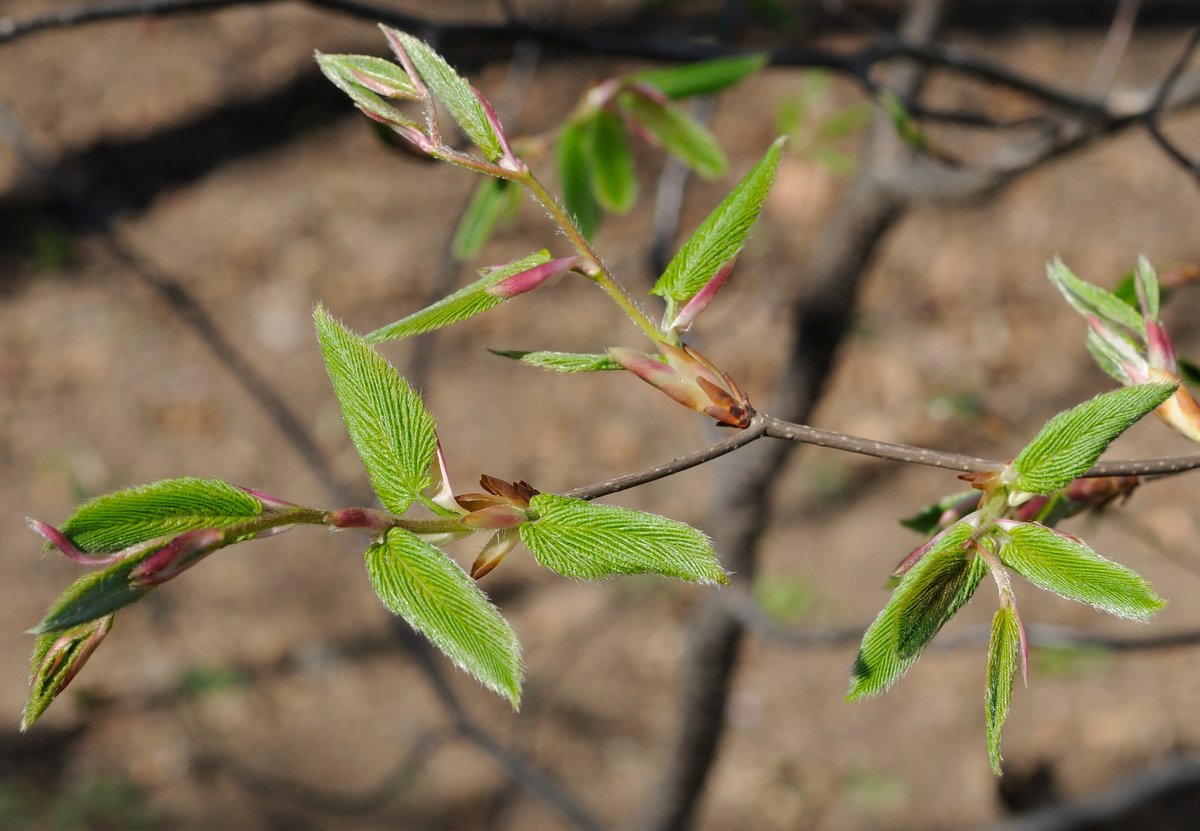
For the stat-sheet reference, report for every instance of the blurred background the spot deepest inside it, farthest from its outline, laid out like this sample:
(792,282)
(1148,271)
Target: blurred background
(177,192)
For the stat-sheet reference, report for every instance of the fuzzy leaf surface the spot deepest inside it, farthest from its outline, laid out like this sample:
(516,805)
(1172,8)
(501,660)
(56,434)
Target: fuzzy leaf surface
(721,235)
(574,158)
(562,361)
(422,585)
(614,180)
(465,303)
(1004,649)
(1060,564)
(928,595)
(46,681)
(1073,440)
(680,134)
(489,203)
(92,596)
(1107,357)
(118,520)
(454,93)
(580,539)
(702,77)
(386,419)
(1088,299)
(340,69)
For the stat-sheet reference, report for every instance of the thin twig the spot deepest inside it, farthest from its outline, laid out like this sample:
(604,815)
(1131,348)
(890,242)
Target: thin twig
(1154,112)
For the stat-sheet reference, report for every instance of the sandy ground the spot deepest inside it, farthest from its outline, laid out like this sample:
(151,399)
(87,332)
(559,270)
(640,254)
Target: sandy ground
(960,343)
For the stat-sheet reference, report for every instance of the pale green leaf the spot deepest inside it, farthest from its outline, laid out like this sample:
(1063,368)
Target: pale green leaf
(488,205)
(422,585)
(614,180)
(94,595)
(702,77)
(1004,650)
(47,678)
(1073,440)
(386,419)
(454,93)
(341,69)
(1093,300)
(1106,356)
(680,134)
(1063,565)
(562,361)
(721,235)
(928,595)
(580,539)
(118,520)
(574,158)
(465,303)
(1149,279)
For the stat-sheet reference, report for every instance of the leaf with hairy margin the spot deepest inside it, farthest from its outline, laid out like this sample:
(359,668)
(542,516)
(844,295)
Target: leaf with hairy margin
(562,361)
(1004,649)
(1093,300)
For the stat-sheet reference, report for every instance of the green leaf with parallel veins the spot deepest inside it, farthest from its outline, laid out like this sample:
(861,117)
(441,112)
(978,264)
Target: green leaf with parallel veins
(1093,300)
(118,520)
(488,205)
(1107,357)
(95,595)
(614,180)
(50,673)
(1073,440)
(562,361)
(454,93)
(573,154)
(373,74)
(702,77)
(680,134)
(928,595)
(1004,649)
(422,585)
(579,539)
(386,419)
(721,235)
(465,303)
(1063,565)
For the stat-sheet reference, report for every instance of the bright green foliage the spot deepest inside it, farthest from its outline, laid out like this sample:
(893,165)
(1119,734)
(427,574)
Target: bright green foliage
(118,520)
(465,303)
(579,539)
(1093,300)
(929,594)
(679,133)
(492,201)
(96,594)
(1003,652)
(47,678)
(1073,440)
(721,235)
(701,77)
(454,93)
(573,154)
(562,361)
(341,70)
(386,419)
(422,585)
(1063,565)
(614,180)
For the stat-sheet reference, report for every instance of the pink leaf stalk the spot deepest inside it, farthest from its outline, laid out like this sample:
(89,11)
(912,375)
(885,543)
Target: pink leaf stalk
(509,161)
(700,300)
(60,541)
(176,557)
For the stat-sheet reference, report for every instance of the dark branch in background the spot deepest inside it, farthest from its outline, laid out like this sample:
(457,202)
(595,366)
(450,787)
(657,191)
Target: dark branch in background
(1169,83)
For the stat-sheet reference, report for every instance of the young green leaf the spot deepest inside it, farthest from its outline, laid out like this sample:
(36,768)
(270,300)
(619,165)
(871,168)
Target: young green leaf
(465,303)
(488,205)
(1073,440)
(57,659)
(579,539)
(1148,277)
(1061,564)
(368,81)
(574,158)
(422,585)
(928,595)
(614,180)
(562,361)
(721,235)
(1106,355)
(1093,300)
(1003,651)
(453,91)
(680,134)
(929,519)
(702,77)
(387,420)
(118,520)
(94,595)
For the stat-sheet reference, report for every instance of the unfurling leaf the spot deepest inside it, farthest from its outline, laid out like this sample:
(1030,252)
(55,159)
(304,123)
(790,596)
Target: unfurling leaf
(573,154)
(579,539)
(118,520)
(57,659)
(1073,440)
(95,595)
(1062,564)
(680,134)
(702,77)
(422,585)
(1093,300)
(386,419)
(562,361)
(1003,651)
(369,82)
(470,300)
(614,180)
(721,235)
(928,595)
